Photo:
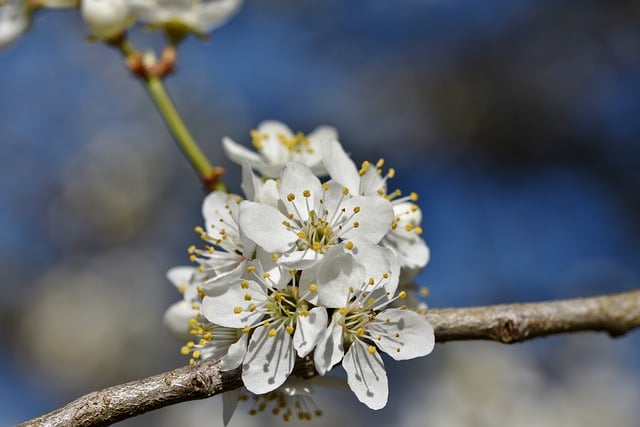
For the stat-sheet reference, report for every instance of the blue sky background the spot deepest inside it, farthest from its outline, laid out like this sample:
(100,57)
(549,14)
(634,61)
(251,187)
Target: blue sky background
(516,121)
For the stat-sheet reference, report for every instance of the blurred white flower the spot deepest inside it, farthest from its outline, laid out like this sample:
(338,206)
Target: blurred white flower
(277,145)
(14,20)
(197,16)
(106,19)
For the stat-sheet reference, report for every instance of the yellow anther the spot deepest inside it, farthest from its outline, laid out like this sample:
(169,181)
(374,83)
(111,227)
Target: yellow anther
(397,335)
(306,193)
(196,354)
(237,310)
(418,230)
(272,333)
(372,349)
(360,332)
(192,361)
(349,245)
(251,268)
(380,163)
(343,310)
(371,302)
(316,246)
(244,284)
(182,288)
(424,292)
(211,249)
(408,227)
(391,173)
(266,323)
(413,196)
(247,297)
(356,209)
(394,225)
(313,287)
(191,249)
(252,308)
(190,344)
(266,275)
(184,350)
(356,224)
(246,329)
(286,224)
(351,289)
(385,275)
(301,234)
(402,295)
(325,186)
(201,269)
(304,313)
(274,257)
(371,281)
(192,258)
(398,349)
(289,329)
(291,197)
(192,323)
(198,229)
(387,320)
(345,191)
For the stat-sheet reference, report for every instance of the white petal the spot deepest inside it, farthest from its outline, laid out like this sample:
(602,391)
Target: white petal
(308,330)
(323,133)
(377,261)
(372,182)
(375,217)
(329,350)
(300,260)
(340,166)
(235,354)
(415,335)
(181,276)
(220,309)
(273,150)
(411,249)
(366,375)
(211,15)
(336,273)
(223,279)
(263,225)
(269,360)
(239,154)
(176,320)
(296,178)
(250,183)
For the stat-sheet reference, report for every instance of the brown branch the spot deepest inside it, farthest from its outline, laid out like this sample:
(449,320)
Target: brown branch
(509,323)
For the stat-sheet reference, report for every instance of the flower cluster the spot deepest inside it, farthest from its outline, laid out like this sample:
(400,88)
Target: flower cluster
(304,267)
(109,19)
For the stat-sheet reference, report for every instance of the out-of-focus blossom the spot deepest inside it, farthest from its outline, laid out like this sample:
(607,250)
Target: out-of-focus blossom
(184,16)
(14,20)
(277,145)
(106,19)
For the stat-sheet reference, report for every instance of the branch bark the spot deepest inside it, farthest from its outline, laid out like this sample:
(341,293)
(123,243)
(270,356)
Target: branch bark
(508,323)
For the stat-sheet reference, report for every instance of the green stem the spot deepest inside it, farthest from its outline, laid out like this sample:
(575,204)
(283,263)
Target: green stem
(185,141)
(209,174)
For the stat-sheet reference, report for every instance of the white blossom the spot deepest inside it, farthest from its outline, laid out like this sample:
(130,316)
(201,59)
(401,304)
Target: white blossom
(281,321)
(106,19)
(312,218)
(404,236)
(362,326)
(14,20)
(197,16)
(277,145)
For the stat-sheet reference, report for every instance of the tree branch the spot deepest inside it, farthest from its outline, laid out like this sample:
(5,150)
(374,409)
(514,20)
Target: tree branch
(508,323)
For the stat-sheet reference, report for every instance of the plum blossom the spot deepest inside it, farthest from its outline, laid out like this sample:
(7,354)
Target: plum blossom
(181,16)
(277,145)
(362,326)
(281,321)
(313,217)
(14,20)
(404,236)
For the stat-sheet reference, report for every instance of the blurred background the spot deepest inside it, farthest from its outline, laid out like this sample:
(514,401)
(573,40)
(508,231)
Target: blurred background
(516,121)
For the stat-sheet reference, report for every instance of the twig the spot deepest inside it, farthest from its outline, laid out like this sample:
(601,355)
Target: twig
(509,323)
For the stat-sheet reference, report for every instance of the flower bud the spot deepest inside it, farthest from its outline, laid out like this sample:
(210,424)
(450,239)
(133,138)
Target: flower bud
(106,19)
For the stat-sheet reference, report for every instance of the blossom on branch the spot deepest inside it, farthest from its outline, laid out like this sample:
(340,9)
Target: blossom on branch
(303,267)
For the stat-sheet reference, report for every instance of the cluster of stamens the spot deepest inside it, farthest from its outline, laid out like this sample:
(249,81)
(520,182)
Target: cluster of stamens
(286,404)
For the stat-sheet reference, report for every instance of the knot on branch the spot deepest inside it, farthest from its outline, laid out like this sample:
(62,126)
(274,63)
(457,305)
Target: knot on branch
(508,331)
